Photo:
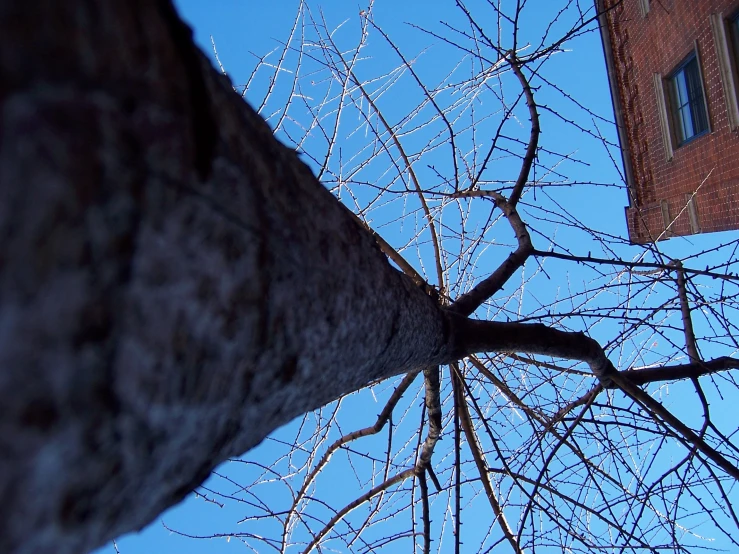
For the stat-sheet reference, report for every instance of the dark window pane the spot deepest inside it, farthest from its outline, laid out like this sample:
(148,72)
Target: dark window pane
(700,121)
(686,123)
(682,89)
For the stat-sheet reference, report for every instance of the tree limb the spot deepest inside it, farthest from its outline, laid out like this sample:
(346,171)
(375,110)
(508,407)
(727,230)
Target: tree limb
(473,336)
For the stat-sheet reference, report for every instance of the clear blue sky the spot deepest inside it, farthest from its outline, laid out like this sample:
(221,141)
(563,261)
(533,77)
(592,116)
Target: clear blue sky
(241,29)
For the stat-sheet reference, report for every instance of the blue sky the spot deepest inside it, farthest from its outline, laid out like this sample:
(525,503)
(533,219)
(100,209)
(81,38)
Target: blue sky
(244,30)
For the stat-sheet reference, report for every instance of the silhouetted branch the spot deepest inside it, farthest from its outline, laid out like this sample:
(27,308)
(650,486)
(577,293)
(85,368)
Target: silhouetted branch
(341,514)
(433,416)
(425,512)
(678,372)
(533,338)
(482,468)
(467,303)
(658,410)
(381,421)
(528,159)
(625,263)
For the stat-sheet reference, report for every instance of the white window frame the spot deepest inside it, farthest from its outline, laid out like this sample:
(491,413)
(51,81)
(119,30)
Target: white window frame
(664,207)
(664,116)
(643,7)
(695,226)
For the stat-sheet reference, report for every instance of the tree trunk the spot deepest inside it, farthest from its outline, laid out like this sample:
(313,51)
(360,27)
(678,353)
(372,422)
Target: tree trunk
(174,283)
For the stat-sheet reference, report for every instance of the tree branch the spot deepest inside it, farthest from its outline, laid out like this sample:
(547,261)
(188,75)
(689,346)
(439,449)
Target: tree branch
(476,336)
(478,456)
(528,159)
(473,336)
(678,372)
(470,301)
(624,263)
(658,410)
(433,415)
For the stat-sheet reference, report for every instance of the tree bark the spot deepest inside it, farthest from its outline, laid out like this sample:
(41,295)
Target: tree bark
(174,283)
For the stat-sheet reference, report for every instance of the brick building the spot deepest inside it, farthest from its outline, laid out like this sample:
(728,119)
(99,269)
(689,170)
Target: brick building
(674,76)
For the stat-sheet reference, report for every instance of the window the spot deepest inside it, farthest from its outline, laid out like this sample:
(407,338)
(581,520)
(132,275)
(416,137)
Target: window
(666,219)
(688,101)
(695,227)
(726,40)
(681,104)
(644,7)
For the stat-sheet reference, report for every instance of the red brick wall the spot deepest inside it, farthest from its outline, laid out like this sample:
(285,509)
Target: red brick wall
(657,43)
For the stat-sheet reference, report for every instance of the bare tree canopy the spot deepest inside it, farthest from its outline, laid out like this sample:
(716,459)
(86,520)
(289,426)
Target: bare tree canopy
(175,284)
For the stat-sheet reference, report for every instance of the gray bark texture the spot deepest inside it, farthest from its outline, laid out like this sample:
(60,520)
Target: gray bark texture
(174,283)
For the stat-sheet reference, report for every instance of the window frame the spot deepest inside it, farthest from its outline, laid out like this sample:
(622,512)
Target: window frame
(664,117)
(690,202)
(726,41)
(677,109)
(643,7)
